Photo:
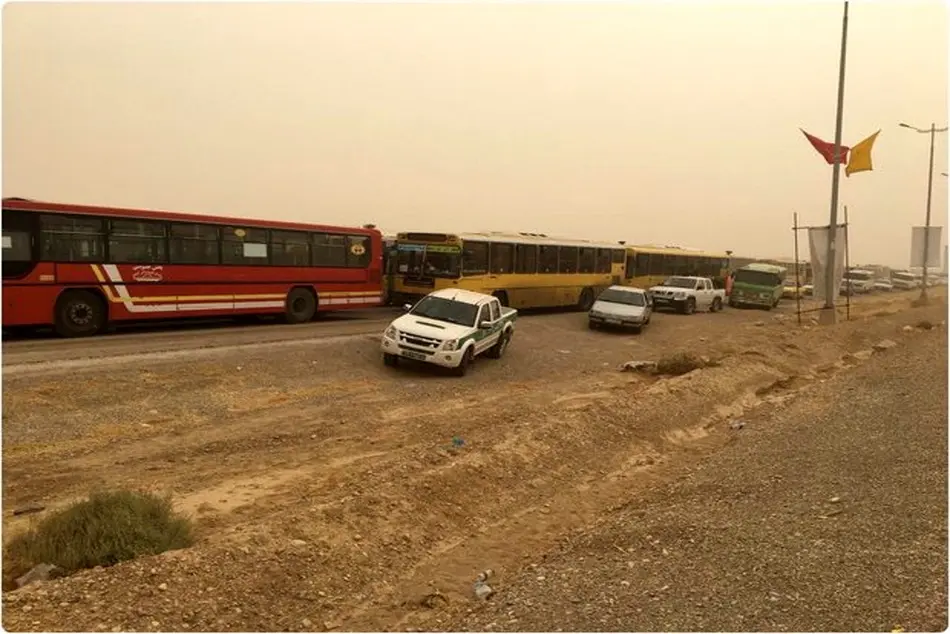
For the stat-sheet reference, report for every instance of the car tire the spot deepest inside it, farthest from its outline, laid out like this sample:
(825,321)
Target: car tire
(462,368)
(637,330)
(689,307)
(716,305)
(390,360)
(498,350)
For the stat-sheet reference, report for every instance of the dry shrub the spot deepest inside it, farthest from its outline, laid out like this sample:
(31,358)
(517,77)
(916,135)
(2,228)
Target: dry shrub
(680,363)
(103,530)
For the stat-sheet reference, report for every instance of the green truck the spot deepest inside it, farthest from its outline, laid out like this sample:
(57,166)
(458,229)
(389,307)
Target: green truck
(758,284)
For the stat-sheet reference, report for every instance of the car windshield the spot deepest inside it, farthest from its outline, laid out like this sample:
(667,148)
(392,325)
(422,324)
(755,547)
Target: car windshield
(907,277)
(757,278)
(442,309)
(614,296)
(679,282)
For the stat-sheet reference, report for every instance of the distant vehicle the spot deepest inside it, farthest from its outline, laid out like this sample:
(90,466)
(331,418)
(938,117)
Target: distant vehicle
(623,307)
(857,281)
(758,284)
(79,268)
(450,328)
(648,266)
(523,270)
(883,285)
(904,280)
(687,294)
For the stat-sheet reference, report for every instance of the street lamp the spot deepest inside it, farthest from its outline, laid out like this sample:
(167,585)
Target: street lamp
(930,185)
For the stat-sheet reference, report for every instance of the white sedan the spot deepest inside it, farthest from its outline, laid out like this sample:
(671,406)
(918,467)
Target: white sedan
(622,307)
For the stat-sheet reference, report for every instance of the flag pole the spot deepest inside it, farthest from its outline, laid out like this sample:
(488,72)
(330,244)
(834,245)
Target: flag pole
(828,314)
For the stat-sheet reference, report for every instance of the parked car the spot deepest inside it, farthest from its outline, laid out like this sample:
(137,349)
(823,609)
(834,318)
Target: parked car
(883,285)
(621,306)
(687,294)
(450,327)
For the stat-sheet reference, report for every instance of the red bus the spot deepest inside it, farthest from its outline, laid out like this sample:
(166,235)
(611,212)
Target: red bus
(79,268)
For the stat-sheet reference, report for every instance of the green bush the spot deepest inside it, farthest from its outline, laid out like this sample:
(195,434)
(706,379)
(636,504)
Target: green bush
(102,531)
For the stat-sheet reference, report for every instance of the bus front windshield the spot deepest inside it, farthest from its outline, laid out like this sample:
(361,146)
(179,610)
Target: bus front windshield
(757,278)
(427,261)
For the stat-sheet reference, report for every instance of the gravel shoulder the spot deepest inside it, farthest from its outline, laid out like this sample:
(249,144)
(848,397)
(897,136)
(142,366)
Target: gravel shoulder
(326,488)
(828,514)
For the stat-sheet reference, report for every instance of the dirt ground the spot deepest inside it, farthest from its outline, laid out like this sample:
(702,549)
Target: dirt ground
(327,489)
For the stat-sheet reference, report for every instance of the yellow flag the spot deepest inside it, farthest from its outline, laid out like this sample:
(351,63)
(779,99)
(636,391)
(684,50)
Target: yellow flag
(860,159)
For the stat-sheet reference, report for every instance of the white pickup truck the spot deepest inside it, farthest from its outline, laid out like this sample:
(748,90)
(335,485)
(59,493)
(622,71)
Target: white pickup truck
(688,294)
(450,327)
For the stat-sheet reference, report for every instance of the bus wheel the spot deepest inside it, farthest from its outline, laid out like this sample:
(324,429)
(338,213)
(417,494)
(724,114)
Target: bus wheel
(586,300)
(502,297)
(79,314)
(301,305)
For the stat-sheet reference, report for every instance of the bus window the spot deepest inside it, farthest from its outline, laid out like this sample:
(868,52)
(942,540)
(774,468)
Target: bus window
(474,258)
(72,238)
(588,260)
(658,264)
(526,258)
(548,259)
(603,260)
(619,256)
(137,241)
(630,266)
(502,257)
(328,250)
(193,244)
(567,262)
(643,263)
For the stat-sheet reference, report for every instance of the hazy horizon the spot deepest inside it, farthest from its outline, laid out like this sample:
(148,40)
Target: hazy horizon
(637,121)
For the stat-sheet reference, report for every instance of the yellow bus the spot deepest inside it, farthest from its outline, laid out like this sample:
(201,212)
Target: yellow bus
(524,270)
(648,266)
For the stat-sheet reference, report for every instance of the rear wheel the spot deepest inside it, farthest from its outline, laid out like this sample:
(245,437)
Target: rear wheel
(462,368)
(301,306)
(716,305)
(586,299)
(498,350)
(79,314)
(502,297)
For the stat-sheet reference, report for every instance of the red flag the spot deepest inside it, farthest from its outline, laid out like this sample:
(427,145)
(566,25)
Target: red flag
(827,150)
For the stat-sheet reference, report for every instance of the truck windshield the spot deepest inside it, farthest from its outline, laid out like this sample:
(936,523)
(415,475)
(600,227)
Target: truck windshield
(442,309)
(757,278)
(421,261)
(622,297)
(680,282)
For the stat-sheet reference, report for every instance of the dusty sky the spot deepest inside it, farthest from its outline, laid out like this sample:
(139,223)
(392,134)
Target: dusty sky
(652,122)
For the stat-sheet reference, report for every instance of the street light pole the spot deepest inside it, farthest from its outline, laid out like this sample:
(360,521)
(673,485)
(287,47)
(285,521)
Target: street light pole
(930,185)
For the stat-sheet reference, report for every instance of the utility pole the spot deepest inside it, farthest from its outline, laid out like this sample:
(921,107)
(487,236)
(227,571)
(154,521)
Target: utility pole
(828,314)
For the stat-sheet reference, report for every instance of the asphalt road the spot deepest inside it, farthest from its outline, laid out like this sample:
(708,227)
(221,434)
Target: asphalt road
(829,514)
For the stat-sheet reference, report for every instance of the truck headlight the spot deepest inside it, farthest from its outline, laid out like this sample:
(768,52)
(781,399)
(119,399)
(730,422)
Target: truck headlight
(679,295)
(391,333)
(451,344)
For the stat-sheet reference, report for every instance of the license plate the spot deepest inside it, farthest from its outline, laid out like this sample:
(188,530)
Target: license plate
(418,356)
(611,320)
